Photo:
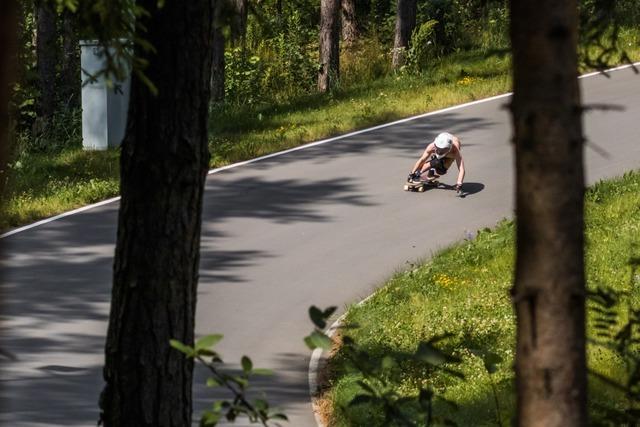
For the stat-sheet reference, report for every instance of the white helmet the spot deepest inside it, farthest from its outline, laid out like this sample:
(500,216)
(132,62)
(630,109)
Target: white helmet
(443,143)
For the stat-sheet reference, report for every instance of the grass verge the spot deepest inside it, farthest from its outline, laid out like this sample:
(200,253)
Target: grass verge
(464,290)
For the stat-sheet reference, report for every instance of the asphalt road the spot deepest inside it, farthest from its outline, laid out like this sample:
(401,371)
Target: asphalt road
(323,225)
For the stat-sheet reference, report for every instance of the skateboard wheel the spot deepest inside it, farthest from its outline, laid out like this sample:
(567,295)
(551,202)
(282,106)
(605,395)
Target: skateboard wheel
(420,189)
(406,188)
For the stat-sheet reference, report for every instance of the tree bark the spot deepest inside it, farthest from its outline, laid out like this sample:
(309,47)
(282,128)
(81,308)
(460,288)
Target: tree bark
(217,70)
(46,51)
(329,44)
(8,36)
(70,72)
(164,162)
(405,24)
(350,26)
(549,290)
(239,21)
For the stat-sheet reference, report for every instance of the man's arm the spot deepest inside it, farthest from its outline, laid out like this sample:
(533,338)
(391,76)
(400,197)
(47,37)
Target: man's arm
(460,164)
(459,161)
(423,159)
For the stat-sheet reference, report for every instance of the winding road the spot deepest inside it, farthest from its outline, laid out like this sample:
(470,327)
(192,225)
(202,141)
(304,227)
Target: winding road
(320,225)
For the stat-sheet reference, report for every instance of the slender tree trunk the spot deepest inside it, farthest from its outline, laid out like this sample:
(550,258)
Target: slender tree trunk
(70,61)
(329,44)
(46,50)
(350,26)
(549,291)
(164,163)
(405,24)
(217,70)
(239,21)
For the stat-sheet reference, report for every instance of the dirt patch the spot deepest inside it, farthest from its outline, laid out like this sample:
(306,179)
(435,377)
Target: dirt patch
(322,403)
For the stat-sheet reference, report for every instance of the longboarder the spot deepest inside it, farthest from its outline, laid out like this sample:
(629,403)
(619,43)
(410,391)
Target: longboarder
(436,159)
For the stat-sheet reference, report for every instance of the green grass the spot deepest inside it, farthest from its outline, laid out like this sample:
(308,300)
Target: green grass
(44,184)
(464,290)
(240,133)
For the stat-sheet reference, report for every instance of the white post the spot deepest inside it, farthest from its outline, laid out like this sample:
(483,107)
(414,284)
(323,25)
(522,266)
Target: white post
(104,108)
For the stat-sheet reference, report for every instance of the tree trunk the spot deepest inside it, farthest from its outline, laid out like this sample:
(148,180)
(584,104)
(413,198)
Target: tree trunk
(329,44)
(164,162)
(70,61)
(405,24)
(217,70)
(549,291)
(46,50)
(8,35)
(350,26)
(239,21)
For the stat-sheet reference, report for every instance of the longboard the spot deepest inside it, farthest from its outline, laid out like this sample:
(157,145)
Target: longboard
(420,186)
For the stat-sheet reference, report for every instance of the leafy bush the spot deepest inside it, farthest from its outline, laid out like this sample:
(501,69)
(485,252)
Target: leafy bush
(422,49)
(291,65)
(244,74)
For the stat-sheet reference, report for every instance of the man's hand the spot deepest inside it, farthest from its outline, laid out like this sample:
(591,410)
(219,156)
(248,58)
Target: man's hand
(414,176)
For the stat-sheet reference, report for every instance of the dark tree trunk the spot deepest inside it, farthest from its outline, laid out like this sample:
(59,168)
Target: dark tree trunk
(329,44)
(217,69)
(549,291)
(8,35)
(350,26)
(70,61)
(46,50)
(164,163)
(239,21)
(405,24)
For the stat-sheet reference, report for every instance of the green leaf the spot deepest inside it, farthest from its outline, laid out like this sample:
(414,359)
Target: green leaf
(212,382)
(318,340)
(209,418)
(208,341)
(329,311)
(247,364)
(189,351)
(317,317)
(262,371)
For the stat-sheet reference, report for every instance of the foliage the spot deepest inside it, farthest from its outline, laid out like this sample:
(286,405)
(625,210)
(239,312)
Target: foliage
(237,385)
(243,77)
(471,302)
(615,318)
(601,25)
(379,373)
(422,49)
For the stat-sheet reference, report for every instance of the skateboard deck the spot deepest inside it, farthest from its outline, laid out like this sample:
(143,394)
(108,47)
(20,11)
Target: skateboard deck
(420,186)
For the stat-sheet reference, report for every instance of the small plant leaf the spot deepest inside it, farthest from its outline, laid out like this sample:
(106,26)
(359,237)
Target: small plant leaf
(318,340)
(208,341)
(247,364)
(187,350)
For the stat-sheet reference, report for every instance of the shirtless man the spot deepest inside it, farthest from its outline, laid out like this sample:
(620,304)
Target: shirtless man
(437,159)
